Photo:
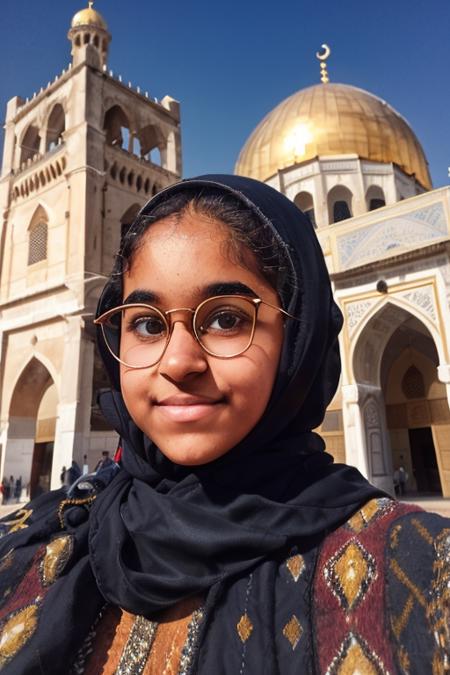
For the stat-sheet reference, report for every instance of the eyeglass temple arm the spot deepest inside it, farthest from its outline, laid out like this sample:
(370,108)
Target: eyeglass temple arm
(280,309)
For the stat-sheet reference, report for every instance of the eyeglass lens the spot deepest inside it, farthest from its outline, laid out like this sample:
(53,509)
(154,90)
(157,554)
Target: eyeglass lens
(138,335)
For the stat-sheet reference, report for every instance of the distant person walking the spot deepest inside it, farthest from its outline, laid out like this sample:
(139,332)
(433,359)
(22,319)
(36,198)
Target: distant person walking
(104,462)
(11,488)
(5,490)
(85,465)
(400,480)
(18,489)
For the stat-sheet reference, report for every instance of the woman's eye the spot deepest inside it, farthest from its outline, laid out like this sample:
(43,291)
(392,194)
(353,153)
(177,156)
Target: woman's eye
(224,321)
(148,327)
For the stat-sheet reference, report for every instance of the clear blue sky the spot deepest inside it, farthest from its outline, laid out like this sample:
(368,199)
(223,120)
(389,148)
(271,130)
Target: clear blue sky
(229,63)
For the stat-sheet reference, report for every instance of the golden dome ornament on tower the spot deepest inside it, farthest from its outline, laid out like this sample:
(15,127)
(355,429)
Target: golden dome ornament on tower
(331,119)
(89,37)
(88,17)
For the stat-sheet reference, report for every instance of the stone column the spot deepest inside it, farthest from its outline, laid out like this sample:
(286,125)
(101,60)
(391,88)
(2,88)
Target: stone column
(69,423)
(354,435)
(367,441)
(443,373)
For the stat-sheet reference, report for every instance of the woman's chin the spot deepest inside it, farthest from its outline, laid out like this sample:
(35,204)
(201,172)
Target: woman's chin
(193,455)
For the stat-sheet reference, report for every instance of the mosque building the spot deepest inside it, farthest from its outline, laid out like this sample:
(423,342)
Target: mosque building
(86,152)
(355,167)
(80,158)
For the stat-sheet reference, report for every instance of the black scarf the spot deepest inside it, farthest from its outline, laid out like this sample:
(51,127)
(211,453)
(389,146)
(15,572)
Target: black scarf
(162,532)
(159,532)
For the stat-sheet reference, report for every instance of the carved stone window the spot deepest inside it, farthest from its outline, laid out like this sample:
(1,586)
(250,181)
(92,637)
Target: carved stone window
(413,385)
(37,245)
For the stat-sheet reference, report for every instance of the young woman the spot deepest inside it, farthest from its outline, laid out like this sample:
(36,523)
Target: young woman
(225,541)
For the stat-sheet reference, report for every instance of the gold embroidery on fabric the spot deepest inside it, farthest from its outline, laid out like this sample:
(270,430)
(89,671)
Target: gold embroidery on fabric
(7,560)
(188,650)
(362,517)
(244,627)
(438,611)
(18,522)
(406,581)
(403,660)
(137,648)
(293,631)
(82,501)
(16,632)
(399,623)
(395,533)
(356,661)
(295,565)
(355,658)
(57,553)
(349,573)
(422,531)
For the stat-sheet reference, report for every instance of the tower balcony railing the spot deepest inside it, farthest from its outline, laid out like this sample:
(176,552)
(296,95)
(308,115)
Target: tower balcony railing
(34,160)
(137,174)
(38,171)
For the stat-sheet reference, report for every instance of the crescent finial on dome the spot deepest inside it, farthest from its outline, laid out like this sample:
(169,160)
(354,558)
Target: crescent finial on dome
(322,56)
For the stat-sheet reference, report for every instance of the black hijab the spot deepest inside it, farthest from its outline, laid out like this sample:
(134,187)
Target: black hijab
(156,532)
(161,532)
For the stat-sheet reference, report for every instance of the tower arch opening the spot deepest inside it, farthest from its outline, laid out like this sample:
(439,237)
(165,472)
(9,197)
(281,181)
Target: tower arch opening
(30,144)
(56,126)
(305,202)
(117,127)
(375,198)
(152,143)
(31,430)
(339,200)
(127,219)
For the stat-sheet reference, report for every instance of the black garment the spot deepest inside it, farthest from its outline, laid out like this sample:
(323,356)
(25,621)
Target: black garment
(104,463)
(160,532)
(73,472)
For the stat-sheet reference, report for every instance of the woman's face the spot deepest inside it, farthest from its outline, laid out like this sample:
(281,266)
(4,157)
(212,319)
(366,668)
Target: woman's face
(194,406)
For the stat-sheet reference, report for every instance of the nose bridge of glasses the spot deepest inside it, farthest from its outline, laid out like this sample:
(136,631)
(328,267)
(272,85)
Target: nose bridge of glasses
(172,320)
(169,312)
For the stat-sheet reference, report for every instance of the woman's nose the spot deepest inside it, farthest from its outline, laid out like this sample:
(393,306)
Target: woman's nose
(183,356)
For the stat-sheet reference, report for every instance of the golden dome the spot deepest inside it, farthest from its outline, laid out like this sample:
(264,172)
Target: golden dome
(331,119)
(88,17)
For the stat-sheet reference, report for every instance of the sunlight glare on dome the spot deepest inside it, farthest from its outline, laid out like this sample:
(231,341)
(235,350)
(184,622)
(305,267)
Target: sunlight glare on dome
(332,119)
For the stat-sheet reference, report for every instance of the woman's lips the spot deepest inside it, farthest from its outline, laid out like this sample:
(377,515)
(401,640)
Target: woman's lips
(187,408)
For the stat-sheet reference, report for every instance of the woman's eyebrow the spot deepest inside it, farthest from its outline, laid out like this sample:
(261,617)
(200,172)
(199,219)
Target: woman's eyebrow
(227,288)
(139,295)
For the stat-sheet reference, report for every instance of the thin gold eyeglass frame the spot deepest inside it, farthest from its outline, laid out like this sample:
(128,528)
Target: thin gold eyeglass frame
(256,302)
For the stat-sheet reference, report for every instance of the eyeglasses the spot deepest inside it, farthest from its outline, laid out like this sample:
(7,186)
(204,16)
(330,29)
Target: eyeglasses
(224,326)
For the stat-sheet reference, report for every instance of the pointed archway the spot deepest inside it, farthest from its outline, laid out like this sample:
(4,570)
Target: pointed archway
(402,405)
(31,430)
(416,406)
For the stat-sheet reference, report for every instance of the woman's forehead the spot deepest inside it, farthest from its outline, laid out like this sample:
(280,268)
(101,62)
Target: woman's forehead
(191,253)
(190,224)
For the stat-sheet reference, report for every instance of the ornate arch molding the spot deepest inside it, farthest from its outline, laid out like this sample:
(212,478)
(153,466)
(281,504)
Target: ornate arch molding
(42,211)
(377,320)
(33,123)
(42,363)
